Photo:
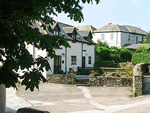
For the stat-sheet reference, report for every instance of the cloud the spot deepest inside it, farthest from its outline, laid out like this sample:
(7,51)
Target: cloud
(134,1)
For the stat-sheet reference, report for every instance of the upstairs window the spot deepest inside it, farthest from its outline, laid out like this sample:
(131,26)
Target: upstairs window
(112,36)
(73,60)
(129,38)
(102,36)
(89,61)
(56,33)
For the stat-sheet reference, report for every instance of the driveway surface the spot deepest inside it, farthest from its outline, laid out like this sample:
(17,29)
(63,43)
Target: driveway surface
(59,98)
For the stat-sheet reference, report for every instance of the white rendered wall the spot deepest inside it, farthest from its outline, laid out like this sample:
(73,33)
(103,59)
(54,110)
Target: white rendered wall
(115,42)
(75,50)
(120,38)
(132,38)
(89,51)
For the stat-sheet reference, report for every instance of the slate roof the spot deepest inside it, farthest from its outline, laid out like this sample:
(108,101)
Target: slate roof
(68,29)
(64,30)
(132,46)
(121,28)
(86,27)
(84,33)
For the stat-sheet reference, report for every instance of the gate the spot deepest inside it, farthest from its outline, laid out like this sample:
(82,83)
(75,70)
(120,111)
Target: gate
(146,85)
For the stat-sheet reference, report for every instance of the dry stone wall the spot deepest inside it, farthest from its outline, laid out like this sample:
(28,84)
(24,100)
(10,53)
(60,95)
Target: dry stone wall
(98,81)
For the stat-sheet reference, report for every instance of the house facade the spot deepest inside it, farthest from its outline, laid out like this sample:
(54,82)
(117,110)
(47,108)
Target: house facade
(80,54)
(119,35)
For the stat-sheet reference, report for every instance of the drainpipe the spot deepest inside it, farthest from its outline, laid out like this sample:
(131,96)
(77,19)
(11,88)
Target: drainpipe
(117,40)
(2,99)
(81,53)
(65,60)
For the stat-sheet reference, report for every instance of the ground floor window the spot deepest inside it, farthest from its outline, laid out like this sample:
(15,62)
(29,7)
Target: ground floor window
(73,60)
(89,60)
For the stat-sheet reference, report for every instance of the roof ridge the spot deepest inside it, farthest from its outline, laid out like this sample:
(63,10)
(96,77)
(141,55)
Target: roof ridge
(128,28)
(118,27)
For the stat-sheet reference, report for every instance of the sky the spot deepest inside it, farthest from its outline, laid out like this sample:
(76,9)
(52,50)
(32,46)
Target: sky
(123,12)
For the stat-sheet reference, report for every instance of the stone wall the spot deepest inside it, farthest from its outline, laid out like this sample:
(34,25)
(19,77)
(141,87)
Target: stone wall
(137,79)
(61,79)
(111,82)
(98,81)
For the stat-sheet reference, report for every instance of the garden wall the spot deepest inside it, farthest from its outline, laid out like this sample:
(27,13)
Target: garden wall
(111,82)
(99,81)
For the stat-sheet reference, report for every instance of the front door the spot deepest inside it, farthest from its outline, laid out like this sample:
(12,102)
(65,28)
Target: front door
(83,61)
(57,65)
(136,39)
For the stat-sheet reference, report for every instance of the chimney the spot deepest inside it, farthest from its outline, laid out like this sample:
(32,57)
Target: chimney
(109,23)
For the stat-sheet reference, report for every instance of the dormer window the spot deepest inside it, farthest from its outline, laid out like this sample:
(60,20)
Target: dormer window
(74,37)
(56,33)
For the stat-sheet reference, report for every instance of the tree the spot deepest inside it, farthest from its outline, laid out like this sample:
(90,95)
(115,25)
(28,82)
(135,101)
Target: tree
(16,18)
(147,37)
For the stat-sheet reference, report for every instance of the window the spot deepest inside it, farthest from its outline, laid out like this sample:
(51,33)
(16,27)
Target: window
(89,60)
(112,36)
(56,33)
(102,36)
(73,60)
(129,38)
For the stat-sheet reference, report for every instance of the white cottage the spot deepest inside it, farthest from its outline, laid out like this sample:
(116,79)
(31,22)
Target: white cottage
(80,54)
(119,35)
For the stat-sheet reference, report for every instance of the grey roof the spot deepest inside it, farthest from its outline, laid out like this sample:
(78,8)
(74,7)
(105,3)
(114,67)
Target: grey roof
(84,33)
(68,29)
(132,46)
(121,28)
(86,27)
(64,30)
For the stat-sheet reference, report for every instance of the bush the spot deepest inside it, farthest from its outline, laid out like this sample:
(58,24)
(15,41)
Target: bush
(142,48)
(143,57)
(125,54)
(129,71)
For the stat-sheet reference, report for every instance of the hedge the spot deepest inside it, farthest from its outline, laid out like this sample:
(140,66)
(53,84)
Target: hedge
(143,57)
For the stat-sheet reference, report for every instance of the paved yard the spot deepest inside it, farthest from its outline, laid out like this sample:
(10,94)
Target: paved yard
(58,98)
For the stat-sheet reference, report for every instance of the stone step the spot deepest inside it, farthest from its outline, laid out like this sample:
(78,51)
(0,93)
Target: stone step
(82,84)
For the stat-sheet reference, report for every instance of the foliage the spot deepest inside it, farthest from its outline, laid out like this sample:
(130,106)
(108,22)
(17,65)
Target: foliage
(16,19)
(142,48)
(125,54)
(93,72)
(147,38)
(112,53)
(129,71)
(143,57)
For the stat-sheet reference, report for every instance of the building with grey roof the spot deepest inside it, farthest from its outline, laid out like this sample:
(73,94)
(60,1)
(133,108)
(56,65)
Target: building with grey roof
(80,54)
(119,35)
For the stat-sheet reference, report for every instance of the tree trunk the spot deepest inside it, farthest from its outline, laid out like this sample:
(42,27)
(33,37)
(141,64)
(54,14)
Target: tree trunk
(2,99)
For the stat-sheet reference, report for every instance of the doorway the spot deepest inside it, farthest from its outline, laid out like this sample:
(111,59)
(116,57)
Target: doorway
(83,61)
(57,64)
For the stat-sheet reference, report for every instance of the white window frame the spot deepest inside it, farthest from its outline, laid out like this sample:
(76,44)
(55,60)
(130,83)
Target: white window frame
(112,36)
(102,37)
(73,60)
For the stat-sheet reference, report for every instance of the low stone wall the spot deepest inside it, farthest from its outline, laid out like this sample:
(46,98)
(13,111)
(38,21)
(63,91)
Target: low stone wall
(98,81)
(61,79)
(111,82)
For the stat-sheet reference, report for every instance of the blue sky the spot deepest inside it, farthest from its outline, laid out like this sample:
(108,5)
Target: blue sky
(128,12)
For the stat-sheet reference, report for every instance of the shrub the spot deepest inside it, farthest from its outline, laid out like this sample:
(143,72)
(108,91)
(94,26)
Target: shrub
(143,57)
(142,48)
(129,71)
(125,54)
